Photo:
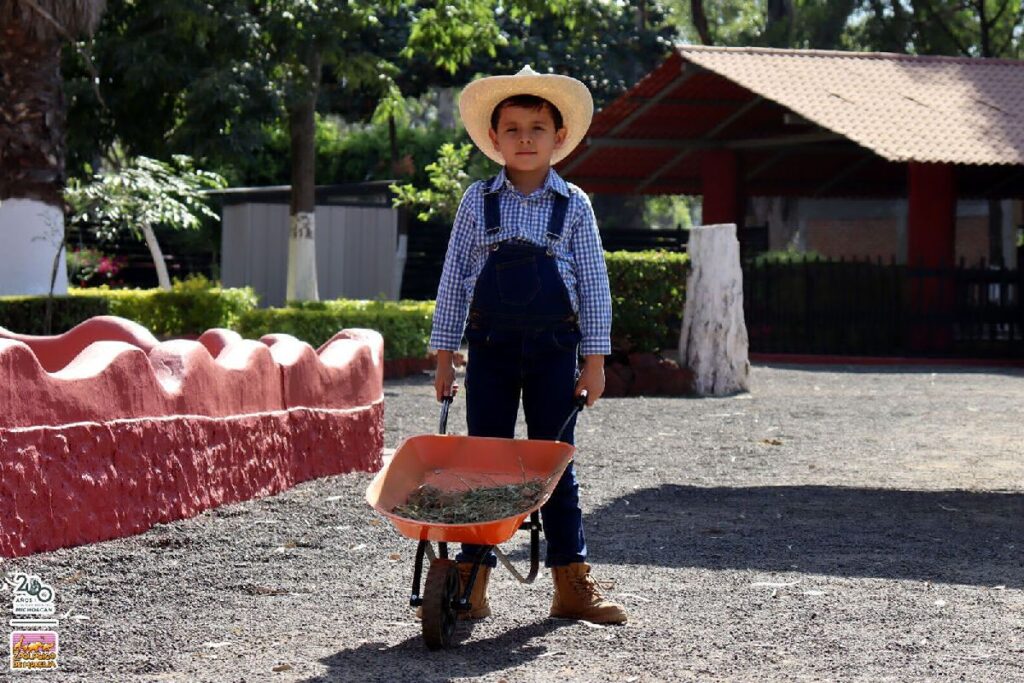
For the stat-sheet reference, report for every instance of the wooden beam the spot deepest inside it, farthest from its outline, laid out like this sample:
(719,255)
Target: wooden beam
(708,137)
(766,164)
(663,168)
(686,72)
(1009,180)
(842,175)
(707,141)
(694,101)
(786,140)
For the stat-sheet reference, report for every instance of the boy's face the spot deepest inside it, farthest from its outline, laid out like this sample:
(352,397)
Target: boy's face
(526,138)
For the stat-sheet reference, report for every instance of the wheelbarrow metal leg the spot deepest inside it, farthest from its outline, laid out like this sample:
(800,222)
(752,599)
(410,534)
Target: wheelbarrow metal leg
(424,548)
(462,604)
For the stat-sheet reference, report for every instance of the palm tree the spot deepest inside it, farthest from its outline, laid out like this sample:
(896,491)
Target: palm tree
(32,148)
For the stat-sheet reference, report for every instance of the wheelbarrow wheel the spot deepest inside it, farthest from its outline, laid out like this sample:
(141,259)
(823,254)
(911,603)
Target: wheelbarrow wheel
(439,596)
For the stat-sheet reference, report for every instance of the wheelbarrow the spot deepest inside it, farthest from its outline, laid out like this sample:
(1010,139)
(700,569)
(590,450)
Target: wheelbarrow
(457,463)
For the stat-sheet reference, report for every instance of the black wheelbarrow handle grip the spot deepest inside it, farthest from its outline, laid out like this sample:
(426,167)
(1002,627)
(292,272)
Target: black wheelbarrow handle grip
(579,403)
(446,403)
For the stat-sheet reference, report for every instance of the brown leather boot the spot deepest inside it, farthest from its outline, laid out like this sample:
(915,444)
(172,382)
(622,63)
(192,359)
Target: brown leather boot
(577,596)
(479,607)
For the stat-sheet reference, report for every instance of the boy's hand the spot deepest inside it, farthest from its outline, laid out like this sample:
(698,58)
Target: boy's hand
(591,379)
(444,378)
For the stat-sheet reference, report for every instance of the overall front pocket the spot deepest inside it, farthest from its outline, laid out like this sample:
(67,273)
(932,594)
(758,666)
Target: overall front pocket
(518,281)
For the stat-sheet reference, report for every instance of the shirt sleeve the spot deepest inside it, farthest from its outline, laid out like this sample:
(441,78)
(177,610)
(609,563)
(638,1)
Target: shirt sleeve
(451,307)
(595,299)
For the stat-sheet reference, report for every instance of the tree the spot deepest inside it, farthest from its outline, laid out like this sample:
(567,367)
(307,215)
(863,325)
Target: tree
(970,28)
(813,24)
(32,141)
(140,194)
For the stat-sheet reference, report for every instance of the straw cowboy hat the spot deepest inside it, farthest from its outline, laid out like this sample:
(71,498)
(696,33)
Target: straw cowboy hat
(568,94)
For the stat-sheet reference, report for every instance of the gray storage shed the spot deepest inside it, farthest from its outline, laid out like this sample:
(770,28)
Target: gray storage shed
(360,246)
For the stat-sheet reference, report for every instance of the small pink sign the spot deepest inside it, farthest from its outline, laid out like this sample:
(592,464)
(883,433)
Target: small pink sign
(33,650)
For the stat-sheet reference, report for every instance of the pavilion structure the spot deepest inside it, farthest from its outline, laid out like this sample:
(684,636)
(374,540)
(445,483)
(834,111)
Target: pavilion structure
(728,123)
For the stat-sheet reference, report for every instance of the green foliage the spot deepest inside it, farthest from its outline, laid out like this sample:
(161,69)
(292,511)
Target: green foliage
(452,33)
(790,255)
(344,153)
(214,79)
(448,180)
(982,28)
(27,314)
(405,325)
(143,192)
(648,292)
(191,307)
(668,211)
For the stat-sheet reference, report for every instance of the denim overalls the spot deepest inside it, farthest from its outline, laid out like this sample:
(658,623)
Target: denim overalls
(524,338)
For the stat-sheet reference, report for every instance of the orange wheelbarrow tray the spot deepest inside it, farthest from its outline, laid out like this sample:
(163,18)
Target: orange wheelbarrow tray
(459,463)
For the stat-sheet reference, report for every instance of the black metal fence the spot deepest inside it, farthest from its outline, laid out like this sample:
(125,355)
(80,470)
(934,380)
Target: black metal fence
(883,309)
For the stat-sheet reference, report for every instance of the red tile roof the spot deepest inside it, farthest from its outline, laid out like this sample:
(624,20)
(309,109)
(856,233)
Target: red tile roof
(904,108)
(809,123)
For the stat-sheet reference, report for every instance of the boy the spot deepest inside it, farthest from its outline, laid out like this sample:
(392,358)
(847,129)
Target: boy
(526,266)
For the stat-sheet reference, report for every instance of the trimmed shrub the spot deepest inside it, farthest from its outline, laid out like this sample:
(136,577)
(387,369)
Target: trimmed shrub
(190,308)
(27,314)
(648,292)
(405,325)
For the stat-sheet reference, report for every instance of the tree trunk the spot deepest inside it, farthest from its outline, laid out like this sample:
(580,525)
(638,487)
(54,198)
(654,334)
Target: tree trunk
(446,108)
(393,141)
(158,257)
(713,339)
(700,21)
(31,159)
(302,284)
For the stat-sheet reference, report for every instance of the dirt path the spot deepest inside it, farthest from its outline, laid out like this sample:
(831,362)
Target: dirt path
(835,524)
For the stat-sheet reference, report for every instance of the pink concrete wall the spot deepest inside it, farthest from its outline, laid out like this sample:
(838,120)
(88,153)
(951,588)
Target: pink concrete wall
(129,432)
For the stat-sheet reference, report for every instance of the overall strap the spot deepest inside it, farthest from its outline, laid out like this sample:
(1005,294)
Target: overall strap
(558,213)
(492,208)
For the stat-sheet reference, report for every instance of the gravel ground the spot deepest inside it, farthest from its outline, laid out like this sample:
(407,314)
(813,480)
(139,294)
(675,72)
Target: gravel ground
(835,524)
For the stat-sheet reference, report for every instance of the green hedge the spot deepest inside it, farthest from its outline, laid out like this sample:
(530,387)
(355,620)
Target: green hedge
(190,308)
(405,325)
(648,291)
(27,314)
(647,306)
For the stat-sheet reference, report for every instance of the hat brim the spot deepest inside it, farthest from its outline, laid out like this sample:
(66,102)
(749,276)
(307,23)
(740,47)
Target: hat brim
(571,96)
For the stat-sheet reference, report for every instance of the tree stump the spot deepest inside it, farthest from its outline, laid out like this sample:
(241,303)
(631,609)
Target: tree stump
(713,339)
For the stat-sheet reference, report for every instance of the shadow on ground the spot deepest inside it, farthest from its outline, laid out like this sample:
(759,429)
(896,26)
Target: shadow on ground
(411,661)
(941,536)
(1015,369)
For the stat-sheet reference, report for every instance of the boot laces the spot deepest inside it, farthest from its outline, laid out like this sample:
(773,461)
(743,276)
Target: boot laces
(585,584)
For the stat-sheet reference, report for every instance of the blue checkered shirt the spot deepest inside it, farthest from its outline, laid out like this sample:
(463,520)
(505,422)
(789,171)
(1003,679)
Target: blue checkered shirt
(578,253)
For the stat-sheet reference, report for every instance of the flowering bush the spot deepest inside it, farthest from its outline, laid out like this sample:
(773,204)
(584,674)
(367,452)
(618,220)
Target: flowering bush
(91,268)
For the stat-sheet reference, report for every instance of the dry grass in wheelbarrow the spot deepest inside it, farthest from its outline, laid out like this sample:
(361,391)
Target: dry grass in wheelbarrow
(482,504)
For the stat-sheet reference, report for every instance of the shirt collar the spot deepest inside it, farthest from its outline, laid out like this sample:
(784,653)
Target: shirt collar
(553,182)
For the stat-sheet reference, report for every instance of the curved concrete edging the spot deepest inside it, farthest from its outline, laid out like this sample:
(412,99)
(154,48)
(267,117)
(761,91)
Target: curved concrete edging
(87,482)
(112,437)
